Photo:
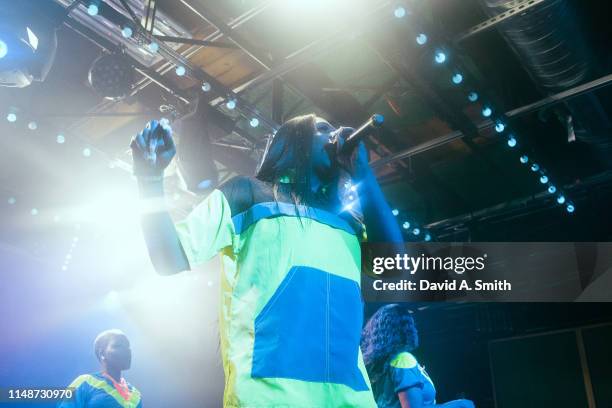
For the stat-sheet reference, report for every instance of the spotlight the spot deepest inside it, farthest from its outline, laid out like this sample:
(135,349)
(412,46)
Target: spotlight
(552,189)
(92,9)
(32,125)
(511,141)
(524,159)
(472,97)
(153,47)
(406,225)
(111,76)
(544,179)
(231,104)
(395,212)
(499,127)
(561,199)
(427,237)
(535,167)
(254,122)
(570,208)
(206,87)
(34,211)
(127,32)
(440,57)
(457,78)
(11,117)
(87,152)
(180,70)
(421,39)
(60,139)
(399,12)
(11,200)
(27,45)
(416,231)
(486,111)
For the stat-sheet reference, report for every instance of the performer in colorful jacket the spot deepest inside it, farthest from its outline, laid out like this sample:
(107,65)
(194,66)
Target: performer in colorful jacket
(106,388)
(291,310)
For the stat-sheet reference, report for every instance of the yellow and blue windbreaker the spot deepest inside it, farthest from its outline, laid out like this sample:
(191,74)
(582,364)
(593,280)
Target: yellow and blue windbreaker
(291,309)
(97,391)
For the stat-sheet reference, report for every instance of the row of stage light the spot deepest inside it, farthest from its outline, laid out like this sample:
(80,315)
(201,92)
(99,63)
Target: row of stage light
(441,52)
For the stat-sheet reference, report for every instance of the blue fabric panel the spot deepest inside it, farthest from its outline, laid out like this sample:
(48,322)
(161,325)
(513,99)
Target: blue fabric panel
(310,329)
(245,219)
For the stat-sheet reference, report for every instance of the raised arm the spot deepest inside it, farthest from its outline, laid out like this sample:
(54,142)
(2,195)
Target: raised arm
(152,151)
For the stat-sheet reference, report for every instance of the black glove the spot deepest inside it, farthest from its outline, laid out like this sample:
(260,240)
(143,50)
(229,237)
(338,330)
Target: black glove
(153,149)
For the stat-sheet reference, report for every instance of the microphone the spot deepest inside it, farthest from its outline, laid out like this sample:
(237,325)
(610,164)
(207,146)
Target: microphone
(352,140)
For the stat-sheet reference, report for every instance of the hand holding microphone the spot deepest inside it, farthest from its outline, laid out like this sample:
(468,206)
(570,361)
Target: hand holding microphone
(348,150)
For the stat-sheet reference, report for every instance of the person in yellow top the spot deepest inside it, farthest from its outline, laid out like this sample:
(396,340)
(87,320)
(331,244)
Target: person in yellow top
(106,388)
(398,380)
(291,309)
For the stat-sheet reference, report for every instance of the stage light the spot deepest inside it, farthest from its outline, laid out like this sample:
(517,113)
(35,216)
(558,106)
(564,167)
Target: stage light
(416,231)
(511,141)
(92,9)
(406,225)
(153,47)
(206,87)
(440,57)
(127,32)
(60,139)
(421,39)
(11,200)
(524,159)
(231,104)
(399,12)
(34,211)
(427,237)
(457,78)
(32,48)
(32,125)
(535,167)
(180,70)
(395,212)
(544,179)
(486,111)
(561,199)
(254,122)
(112,76)
(472,96)
(87,152)
(552,189)
(570,208)
(11,117)
(499,126)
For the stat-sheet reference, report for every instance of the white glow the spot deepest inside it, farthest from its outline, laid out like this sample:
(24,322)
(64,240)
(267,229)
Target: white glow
(32,38)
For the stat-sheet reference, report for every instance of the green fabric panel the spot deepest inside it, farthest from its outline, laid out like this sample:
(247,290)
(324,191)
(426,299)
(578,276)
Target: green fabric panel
(207,229)
(404,360)
(254,264)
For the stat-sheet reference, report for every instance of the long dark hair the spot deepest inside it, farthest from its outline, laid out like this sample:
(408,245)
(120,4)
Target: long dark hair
(389,331)
(287,162)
